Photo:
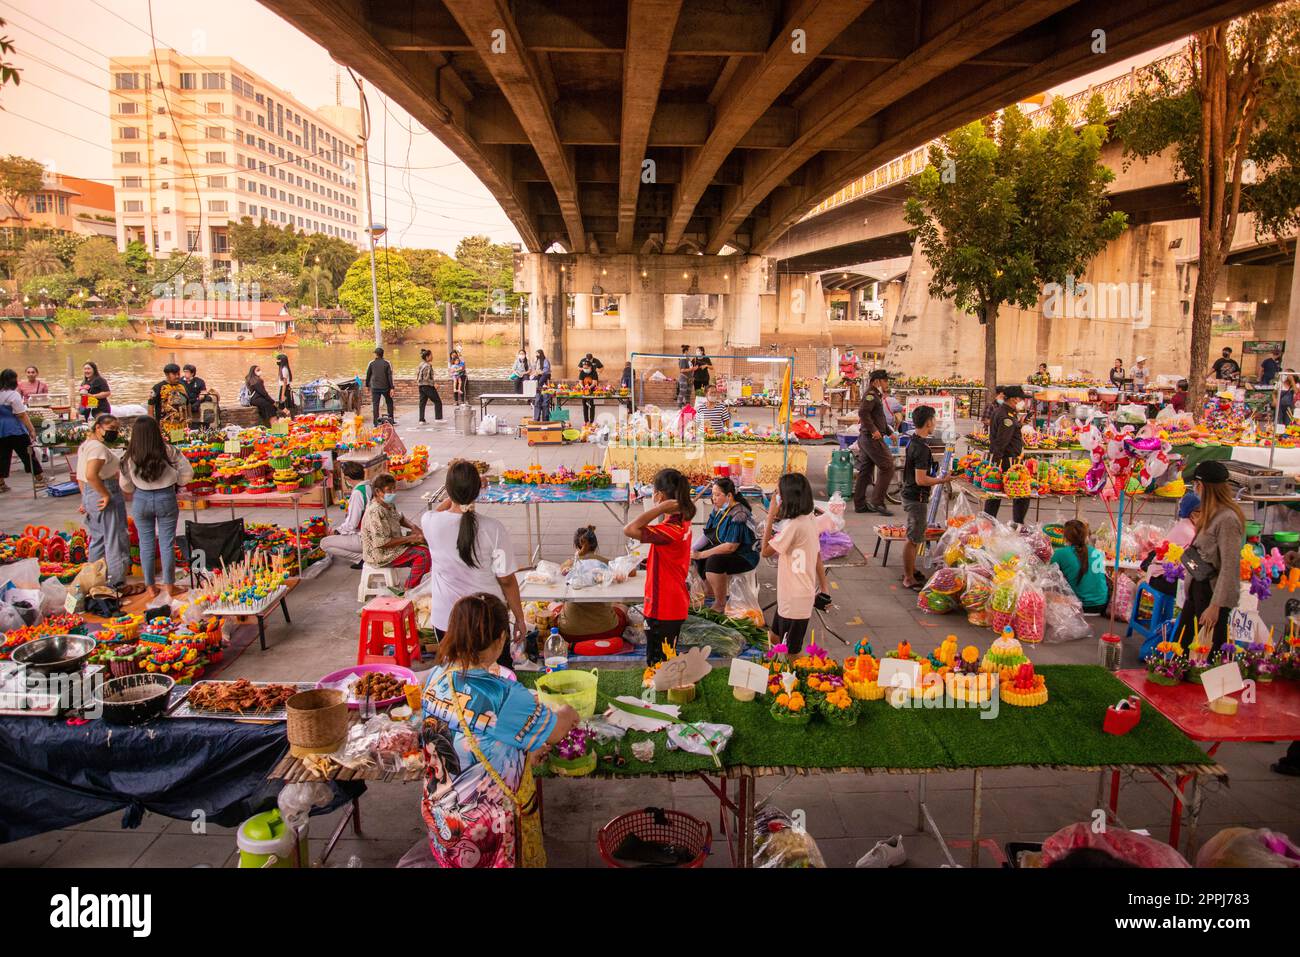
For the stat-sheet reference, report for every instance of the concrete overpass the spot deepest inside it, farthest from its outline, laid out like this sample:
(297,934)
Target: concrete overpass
(631,134)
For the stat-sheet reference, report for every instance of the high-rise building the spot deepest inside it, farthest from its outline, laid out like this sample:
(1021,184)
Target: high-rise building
(201,142)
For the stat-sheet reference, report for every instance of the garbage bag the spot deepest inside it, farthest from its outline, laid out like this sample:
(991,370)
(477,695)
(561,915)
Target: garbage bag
(1248,847)
(701,633)
(1137,849)
(834,545)
(778,842)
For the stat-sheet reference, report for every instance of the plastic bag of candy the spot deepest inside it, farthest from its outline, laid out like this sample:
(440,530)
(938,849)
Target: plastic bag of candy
(947,581)
(1121,597)
(1041,545)
(1031,613)
(935,602)
(979,586)
(1002,603)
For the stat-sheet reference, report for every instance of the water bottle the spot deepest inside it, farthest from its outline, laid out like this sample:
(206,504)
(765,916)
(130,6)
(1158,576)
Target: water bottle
(555,654)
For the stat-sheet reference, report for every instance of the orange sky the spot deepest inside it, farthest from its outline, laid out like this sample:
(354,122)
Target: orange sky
(425,195)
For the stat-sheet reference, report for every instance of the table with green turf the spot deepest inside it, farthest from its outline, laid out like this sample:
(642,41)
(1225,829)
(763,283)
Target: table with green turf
(1063,734)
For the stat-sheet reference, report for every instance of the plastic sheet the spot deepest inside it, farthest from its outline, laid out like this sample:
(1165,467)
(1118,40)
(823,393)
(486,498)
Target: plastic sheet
(1137,849)
(700,633)
(1248,847)
(587,573)
(1064,611)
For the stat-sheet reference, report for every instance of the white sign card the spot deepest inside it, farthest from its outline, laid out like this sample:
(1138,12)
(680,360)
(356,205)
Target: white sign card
(620,476)
(1222,680)
(746,674)
(897,673)
(945,408)
(1246,627)
(733,388)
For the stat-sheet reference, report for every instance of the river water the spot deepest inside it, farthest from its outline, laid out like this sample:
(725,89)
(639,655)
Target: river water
(132,370)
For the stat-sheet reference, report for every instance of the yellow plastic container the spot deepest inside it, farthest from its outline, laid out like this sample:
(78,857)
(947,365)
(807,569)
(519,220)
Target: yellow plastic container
(577,689)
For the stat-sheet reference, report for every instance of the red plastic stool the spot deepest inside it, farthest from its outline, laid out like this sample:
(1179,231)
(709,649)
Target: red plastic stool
(405,639)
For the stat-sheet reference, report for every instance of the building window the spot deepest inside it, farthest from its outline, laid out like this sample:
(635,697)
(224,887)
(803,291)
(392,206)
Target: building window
(220,242)
(129,133)
(243,208)
(188,81)
(130,158)
(215,133)
(217,206)
(192,241)
(217,156)
(126,81)
(216,182)
(215,108)
(133,206)
(214,81)
(131,182)
(241,182)
(127,108)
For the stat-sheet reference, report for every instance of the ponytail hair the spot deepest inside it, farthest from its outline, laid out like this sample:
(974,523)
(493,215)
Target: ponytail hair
(463,486)
(584,539)
(1076,535)
(476,623)
(674,484)
(729,488)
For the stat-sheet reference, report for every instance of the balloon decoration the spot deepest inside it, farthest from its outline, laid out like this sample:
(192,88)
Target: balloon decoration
(1122,460)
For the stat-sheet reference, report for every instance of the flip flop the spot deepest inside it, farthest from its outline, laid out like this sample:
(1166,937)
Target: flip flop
(130,591)
(913,586)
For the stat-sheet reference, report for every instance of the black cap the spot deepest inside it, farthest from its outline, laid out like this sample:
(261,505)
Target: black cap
(877,374)
(1211,472)
(1013,392)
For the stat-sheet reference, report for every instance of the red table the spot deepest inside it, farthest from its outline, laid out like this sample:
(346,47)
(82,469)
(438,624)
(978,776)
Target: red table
(1273,716)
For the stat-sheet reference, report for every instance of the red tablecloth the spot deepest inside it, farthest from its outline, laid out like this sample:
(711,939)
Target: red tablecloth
(1274,715)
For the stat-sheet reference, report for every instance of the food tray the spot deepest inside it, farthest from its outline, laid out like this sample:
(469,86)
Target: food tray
(230,610)
(181,708)
(333,679)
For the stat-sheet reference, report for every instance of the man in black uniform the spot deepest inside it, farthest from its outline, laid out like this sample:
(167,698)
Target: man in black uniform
(1006,445)
(878,466)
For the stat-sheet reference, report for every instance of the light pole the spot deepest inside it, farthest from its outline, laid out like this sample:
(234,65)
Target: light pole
(315,284)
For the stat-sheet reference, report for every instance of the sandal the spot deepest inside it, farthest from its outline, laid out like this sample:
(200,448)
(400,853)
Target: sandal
(130,591)
(913,586)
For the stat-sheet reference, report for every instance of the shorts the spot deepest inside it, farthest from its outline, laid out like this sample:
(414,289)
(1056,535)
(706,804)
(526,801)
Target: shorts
(790,632)
(658,631)
(916,521)
(733,563)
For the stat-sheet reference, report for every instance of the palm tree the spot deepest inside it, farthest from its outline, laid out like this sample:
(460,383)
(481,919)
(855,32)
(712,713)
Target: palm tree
(316,282)
(37,258)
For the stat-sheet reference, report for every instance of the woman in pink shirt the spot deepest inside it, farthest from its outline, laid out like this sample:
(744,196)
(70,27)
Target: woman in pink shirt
(33,384)
(800,575)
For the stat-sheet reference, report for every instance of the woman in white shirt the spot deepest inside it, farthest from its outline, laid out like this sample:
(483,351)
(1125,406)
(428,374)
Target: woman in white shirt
(151,473)
(17,434)
(101,498)
(469,553)
(345,541)
(285,398)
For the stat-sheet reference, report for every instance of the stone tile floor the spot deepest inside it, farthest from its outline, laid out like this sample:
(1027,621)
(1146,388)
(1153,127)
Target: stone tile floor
(847,814)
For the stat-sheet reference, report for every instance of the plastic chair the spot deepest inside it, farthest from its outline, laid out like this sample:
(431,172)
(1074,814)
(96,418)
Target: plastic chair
(373,643)
(367,587)
(1151,629)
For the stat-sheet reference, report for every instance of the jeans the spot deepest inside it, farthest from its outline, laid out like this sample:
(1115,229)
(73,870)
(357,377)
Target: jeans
(155,513)
(109,539)
(375,395)
(430,393)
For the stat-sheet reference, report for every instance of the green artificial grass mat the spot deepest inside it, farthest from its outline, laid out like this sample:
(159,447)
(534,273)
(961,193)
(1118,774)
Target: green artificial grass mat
(1066,731)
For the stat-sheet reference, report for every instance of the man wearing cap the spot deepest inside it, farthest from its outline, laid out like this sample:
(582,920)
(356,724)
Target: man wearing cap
(1140,374)
(1006,445)
(878,462)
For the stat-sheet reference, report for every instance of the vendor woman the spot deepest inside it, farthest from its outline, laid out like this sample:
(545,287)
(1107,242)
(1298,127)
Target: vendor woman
(481,731)
(1213,590)
(730,545)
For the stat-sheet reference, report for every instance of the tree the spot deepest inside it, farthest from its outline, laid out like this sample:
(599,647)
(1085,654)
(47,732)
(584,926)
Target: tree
(37,258)
(137,258)
(65,246)
(335,255)
(20,179)
(493,264)
(51,287)
(402,304)
(1004,208)
(97,259)
(314,286)
(423,263)
(272,283)
(114,292)
(8,72)
(177,267)
(456,283)
(251,243)
(1231,115)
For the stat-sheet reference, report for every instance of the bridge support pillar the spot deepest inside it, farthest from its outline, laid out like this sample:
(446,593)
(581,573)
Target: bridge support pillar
(1292,357)
(582,310)
(643,316)
(672,312)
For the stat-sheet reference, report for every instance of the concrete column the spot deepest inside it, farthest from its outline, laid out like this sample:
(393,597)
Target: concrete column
(746,320)
(582,310)
(536,319)
(644,319)
(672,311)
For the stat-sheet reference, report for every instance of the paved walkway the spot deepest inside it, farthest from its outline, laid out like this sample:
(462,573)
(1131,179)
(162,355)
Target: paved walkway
(845,813)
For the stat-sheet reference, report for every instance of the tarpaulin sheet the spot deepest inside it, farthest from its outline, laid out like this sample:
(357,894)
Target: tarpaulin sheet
(53,775)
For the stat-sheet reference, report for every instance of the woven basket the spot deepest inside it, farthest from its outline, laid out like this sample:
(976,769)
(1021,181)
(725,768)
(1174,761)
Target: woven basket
(317,721)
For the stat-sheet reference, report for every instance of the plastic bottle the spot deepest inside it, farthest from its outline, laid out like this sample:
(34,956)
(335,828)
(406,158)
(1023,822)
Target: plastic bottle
(555,654)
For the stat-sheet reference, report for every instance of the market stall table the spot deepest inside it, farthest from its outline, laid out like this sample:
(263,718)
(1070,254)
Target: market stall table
(629,592)
(1064,734)
(260,616)
(487,398)
(601,399)
(1274,715)
(771,461)
(267,500)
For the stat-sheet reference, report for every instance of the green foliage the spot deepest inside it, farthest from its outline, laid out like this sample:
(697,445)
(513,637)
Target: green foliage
(114,292)
(335,255)
(402,303)
(458,284)
(37,258)
(119,322)
(20,177)
(253,243)
(8,72)
(1004,208)
(424,263)
(73,321)
(314,286)
(137,258)
(178,267)
(58,287)
(67,245)
(272,282)
(97,258)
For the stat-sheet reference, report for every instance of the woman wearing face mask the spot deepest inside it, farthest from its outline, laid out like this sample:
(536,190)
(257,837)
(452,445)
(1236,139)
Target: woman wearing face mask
(1213,585)
(519,371)
(1006,445)
(542,373)
(383,544)
(98,468)
(258,397)
(731,547)
(285,375)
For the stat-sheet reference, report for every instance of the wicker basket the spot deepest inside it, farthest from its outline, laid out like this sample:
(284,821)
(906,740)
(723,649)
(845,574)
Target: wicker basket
(317,721)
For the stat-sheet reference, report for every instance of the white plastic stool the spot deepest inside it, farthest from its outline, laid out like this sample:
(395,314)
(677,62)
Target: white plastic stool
(367,589)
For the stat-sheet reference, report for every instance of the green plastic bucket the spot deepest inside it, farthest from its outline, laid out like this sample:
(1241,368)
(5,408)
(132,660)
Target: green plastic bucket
(577,689)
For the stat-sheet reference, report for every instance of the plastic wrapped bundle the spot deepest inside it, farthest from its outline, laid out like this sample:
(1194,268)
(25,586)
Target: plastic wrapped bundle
(778,843)
(1041,546)
(935,602)
(1031,614)
(1002,604)
(1064,611)
(947,581)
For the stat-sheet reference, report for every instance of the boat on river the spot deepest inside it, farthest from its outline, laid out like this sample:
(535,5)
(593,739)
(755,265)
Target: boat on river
(220,324)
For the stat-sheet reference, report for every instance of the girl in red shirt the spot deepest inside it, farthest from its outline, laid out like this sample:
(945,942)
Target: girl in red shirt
(667,601)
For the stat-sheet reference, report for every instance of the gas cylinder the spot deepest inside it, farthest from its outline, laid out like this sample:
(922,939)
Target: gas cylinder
(839,473)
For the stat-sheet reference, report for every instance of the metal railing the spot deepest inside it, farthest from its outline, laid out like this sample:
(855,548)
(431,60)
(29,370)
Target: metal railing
(1115,92)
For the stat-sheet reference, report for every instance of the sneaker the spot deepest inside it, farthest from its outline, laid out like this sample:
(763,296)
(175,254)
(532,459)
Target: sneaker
(888,853)
(355,566)
(39,481)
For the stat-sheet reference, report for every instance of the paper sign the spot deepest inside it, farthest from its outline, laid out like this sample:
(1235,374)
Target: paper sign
(620,476)
(233,447)
(734,387)
(945,408)
(746,674)
(1223,680)
(175,435)
(1246,627)
(897,673)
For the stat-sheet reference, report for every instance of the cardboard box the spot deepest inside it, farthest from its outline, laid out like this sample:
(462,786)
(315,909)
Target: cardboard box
(543,433)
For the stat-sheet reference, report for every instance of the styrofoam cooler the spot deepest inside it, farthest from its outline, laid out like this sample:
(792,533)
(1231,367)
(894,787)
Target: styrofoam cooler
(466,419)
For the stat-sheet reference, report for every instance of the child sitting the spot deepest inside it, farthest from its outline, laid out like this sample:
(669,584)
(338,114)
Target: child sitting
(1084,567)
(582,620)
